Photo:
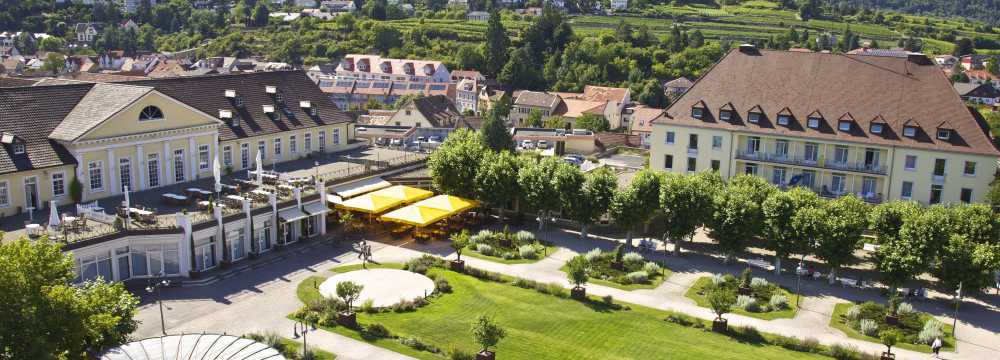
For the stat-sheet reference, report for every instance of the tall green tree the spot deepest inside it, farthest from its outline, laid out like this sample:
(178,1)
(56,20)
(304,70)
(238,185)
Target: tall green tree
(837,230)
(495,133)
(962,261)
(686,201)
(737,215)
(637,203)
(45,317)
(497,44)
(261,14)
(538,188)
(453,166)
(593,122)
(568,182)
(496,179)
(964,46)
(587,204)
(782,236)
(521,72)
(904,257)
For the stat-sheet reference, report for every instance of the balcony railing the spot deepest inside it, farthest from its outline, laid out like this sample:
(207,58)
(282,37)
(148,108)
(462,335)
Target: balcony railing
(802,161)
(826,192)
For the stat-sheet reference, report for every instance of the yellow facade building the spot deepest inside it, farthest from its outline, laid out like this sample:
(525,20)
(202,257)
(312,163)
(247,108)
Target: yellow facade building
(880,127)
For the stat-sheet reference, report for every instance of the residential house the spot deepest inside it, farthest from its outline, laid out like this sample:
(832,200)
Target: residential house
(985,94)
(982,77)
(619,4)
(597,100)
(436,111)
(489,95)
(459,75)
(945,61)
(677,87)
(467,96)
(129,25)
(977,61)
(880,127)
(338,6)
(478,16)
(355,93)
(525,102)
(88,31)
(374,67)
(13,65)
(640,122)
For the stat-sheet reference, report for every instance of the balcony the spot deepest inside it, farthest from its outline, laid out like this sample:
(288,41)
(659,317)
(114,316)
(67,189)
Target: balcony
(802,161)
(937,179)
(692,151)
(825,192)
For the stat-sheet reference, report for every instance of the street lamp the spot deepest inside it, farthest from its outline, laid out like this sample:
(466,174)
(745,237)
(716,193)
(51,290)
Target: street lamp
(301,326)
(155,289)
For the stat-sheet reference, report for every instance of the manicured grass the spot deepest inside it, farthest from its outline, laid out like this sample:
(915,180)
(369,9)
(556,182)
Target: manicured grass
(655,283)
(839,321)
(548,251)
(296,347)
(541,326)
(701,300)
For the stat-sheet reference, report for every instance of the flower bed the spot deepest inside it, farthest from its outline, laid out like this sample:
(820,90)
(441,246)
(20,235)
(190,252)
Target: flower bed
(762,300)
(626,271)
(917,330)
(508,247)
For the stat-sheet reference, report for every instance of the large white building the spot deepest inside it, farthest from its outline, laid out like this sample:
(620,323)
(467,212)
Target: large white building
(374,67)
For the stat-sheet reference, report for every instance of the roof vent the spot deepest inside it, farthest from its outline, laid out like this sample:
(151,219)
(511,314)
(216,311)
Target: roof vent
(271,89)
(230,94)
(305,104)
(268,109)
(749,49)
(225,114)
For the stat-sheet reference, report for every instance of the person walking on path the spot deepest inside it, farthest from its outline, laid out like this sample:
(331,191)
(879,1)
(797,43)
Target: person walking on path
(936,347)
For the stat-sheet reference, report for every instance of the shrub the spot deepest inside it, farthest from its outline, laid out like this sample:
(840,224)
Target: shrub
(374,331)
(758,282)
(747,303)
(745,278)
(718,279)
(608,300)
(844,351)
(441,285)
(750,334)
(484,249)
(904,309)
(404,306)
(868,327)
(682,319)
(458,354)
(638,277)
(592,255)
(368,307)
(652,268)
(414,343)
(527,251)
(556,289)
(809,344)
(633,258)
(507,255)
(421,264)
(853,313)
(524,283)
(481,237)
(524,237)
(932,329)
(483,274)
(778,301)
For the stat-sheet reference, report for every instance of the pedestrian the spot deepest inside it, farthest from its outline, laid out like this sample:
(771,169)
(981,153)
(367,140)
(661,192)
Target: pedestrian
(936,347)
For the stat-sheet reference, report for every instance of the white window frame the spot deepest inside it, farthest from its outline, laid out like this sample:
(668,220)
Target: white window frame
(716,142)
(62,183)
(876,128)
(909,131)
(153,169)
(227,155)
(245,156)
(783,119)
(127,163)
(178,163)
(4,194)
(813,123)
(204,156)
(99,167)
(336,137)
(907,166)
(262,149)
(903,194)
(321,139)
(697,112)
(670,138)
(19,148)
(307,142)
(844,126)
(965,167)
(277,147)
(293,144)
(753,117)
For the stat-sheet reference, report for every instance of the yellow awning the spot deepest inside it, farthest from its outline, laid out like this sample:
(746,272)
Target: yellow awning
(416,215)
(370,203)
(406,194)
(451,204)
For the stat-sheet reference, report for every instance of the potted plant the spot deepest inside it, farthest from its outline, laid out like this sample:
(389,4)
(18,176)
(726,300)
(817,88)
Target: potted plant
(458,243)
(349,292)
(577,273)
(619,255)
(506,238)
(721,302)
(76,190)
(487,334)
(889,339)
(892,316)
(744,288)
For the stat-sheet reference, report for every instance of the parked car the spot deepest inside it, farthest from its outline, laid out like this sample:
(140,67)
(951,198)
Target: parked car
(542,144)
(572,160)
(381,141)
(421,139)
(434,139)
(527,144)
(396,142)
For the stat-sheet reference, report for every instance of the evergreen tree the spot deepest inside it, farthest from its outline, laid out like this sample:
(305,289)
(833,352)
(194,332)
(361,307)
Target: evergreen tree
(497,43)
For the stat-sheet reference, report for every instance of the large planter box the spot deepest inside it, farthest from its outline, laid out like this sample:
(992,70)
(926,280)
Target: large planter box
(745,291)
(720,325)
(578,293)
(348,320)
(887,356)
(486,355)
(457,265)
(891,320)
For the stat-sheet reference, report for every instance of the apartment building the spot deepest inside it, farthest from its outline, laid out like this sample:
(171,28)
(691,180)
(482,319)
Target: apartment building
(374,67)
(880,127)
(608,102)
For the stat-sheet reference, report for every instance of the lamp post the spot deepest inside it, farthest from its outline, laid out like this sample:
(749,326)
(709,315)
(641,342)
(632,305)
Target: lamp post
(155,289)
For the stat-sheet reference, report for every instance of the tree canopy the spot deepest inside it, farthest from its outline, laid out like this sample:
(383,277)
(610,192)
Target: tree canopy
(453,166)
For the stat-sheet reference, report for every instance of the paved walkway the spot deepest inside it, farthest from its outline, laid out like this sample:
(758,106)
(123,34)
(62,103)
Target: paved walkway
(259,300)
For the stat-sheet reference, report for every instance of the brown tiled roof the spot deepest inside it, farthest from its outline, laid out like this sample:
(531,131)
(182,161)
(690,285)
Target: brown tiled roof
(438,110)
(896,89)
(536,98)
(642,118)
(31,113)
(207,94)
(16,82)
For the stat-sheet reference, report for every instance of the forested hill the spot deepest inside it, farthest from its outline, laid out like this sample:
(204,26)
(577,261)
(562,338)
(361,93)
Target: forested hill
(983,10)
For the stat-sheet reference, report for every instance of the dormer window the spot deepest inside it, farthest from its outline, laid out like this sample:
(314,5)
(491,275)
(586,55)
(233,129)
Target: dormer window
(943,134)
(910,131)
(813,123)
(305,104)
(238,101)
(271,89)
(844,125)
(231,94)
(268,109)
(150,113)
(784,119)
(225,114)
(725,115)
(19,147)
(876,128)
(754,117)
(697,112)
(279,99)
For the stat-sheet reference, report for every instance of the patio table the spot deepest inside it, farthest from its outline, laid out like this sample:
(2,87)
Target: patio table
(32,229)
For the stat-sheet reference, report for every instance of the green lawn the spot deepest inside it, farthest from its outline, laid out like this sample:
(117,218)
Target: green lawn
(652,284)
(838,321)
(542,326)
(296,347)
(692,293)
(548,251)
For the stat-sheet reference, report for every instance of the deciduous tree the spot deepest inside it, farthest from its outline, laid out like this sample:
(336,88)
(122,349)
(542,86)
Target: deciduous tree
(592,200)
(636,203)
(538,188)
(782,236)
(453,166)
(686,203)
(496,179)
(901,258)
(840,225)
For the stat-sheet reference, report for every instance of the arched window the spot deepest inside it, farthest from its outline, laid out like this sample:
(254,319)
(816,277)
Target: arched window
(150,113)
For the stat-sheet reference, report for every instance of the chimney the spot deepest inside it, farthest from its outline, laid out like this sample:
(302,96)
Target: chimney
(749,49)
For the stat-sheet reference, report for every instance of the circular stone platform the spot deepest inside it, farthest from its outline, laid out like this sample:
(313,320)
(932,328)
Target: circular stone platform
(384,287)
